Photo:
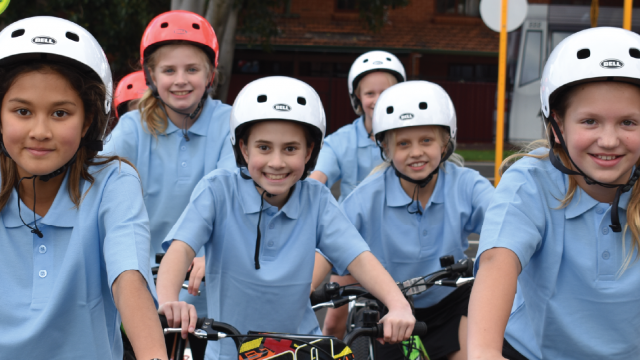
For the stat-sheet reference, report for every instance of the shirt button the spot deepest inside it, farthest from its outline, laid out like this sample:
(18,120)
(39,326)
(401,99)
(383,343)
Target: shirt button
(184,164)
(424,232)
(271,226)
(42,273)
(605,230)
(183,147)
(42,249)
(606,255)
(270,243)
(599,210)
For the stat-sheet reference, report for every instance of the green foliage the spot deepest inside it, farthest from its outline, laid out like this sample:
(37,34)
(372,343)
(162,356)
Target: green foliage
(374,12)
(116,24)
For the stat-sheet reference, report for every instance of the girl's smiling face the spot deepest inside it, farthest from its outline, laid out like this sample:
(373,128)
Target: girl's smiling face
(601,127)
(276,153)
(416,151)
(181,74)
(42,122)
(370,88)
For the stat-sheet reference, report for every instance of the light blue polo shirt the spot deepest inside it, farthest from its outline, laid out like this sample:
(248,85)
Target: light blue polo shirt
(570,302)
(410,245)
(222,216)
(169,166)
(56,300)
(348,155)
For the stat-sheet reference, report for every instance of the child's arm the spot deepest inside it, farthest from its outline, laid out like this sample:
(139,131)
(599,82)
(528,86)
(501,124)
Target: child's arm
(398,323)
(170,278)
(139,317)
(197,269)
(321,268)
(491,302)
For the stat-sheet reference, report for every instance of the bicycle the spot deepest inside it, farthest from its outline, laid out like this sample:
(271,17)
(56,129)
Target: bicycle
(365,312)
(263,345)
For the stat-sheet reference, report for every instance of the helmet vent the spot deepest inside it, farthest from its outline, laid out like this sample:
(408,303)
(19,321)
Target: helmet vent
(583,54)
(164,25)
(129,87)
(388,59)
(262,98)
(72,36)
(302,101)
(635,53)
(17,33)
(196,26)
(390,110)
(365,60)
(422,106)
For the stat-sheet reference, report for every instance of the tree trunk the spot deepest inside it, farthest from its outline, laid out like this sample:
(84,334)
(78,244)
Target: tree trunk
(196,6)
(225,59)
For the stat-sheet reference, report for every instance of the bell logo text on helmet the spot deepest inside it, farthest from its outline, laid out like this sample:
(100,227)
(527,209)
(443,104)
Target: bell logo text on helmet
(180,31)
(43,40)
(406,116)
(611,64)
(282,107)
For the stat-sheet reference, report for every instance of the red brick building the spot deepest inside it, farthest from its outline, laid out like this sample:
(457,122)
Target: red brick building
(444,41)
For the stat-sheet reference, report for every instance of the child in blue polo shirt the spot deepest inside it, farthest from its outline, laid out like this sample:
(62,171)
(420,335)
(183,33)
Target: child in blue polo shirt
(556,272)
(349,154)
(74,232)
(260,226)
(179,134)
(418,206)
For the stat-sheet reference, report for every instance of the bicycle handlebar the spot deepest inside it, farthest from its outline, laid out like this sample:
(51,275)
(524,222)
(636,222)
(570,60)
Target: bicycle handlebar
(377,331)
(208,329)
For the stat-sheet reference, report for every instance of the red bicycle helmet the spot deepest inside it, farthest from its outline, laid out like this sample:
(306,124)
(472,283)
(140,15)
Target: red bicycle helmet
(180,25)
(131,87)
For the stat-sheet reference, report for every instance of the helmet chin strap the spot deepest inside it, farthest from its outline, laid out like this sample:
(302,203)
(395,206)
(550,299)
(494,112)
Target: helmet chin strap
(423,182)
(90,144)
(557,163)
(187,116)
(256,256)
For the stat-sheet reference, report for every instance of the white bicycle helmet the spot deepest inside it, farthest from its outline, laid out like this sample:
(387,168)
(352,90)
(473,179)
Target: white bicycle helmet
(370,62)
(603,53)
(58,40)
(596,54)
(278,98)
(413,103)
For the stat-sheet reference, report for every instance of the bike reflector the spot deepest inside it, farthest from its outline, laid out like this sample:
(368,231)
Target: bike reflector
(304,347)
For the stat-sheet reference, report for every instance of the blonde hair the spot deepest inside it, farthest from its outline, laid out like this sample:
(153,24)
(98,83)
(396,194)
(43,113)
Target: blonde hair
(633,208)
(152,115)
(390,78)
(442,133)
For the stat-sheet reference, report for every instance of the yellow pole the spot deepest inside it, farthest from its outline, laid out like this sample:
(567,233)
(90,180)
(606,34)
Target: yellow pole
(628,9)
(502,77)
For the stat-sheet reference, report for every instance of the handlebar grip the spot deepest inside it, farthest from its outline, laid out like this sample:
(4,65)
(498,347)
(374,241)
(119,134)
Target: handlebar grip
(420,328)
(319,296)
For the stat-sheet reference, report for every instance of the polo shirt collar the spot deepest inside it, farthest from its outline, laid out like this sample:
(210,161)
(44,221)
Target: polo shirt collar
(201,126)
(58,215)
(362,135)
(396,196)
(582,202)
(250,198)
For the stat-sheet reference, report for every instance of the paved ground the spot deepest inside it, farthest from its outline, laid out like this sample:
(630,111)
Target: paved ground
(486,169)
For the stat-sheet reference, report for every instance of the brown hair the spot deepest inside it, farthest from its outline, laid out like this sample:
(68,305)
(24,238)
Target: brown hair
(559,107)
(92,92)
(152,116)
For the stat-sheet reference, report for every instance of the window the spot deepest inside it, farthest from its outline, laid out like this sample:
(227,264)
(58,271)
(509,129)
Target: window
(532,57)
(458,7)
(557,37)
(473,72)
(346,5)
(263,67)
